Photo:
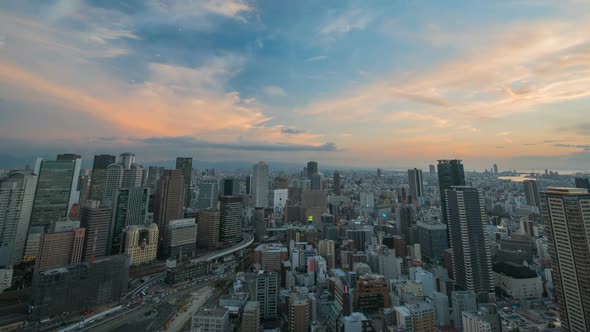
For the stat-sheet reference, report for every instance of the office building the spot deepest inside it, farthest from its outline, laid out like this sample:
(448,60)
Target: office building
(336,184)
(450,173)
(33,238)
(531,193)
(179,273)
(371,293)
(181,239)
(327,249)
(60,248)
(154,173)
(518,282)
(80,287)
(208,195)
(582,183)
(270,256)
(208,229)
(357,322)
(141,243)
(97,222)
(230,187)
(432,170)
(485,319)
(418,317)
(230,217)
(472,262)
(316,181)
(185,165)
(416,183)
(98,176)
(267,294)
(566,213)
(432,237)
(312,168)
(299,313)
(17,194)
(130,207)
(259,224)
(169,200)
(125,173)
(251,317)
(406,219)
(260,185)
(56,190)
(359,236)
(462,301)
(280,197)
(441,309)
(211,319)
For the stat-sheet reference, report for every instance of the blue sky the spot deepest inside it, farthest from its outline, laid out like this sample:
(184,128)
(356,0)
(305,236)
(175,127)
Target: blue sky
(350,83)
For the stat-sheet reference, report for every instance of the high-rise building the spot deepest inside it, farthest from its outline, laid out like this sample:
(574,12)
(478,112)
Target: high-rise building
(316,181)
(406,216)
(371,293)
(432,237)
(312,168)
(267,294)
(462,301)
(154,173)
(208,229)
(472,262)
(56,192)
(80,287)
(566,213)
(280,197)
(432,170)
(299,313)
(181,239)
(208,195)
(141,243)
(495,167)
(337,189)
(327,249)
(251,317)
(169,199)
(260,185)
(97,222)
(17,193)
(125,173)
(60,248)
(185,164)
(450,173)
(98,176)
(416,183)
(531,193)
(230,187)
(259,224)
(130,207)
(230,214)
(583,183)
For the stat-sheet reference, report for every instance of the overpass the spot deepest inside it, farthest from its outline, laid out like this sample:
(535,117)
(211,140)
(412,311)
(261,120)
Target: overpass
(247,240)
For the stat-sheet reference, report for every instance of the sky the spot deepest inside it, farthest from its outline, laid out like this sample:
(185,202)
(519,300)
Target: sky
(388,84)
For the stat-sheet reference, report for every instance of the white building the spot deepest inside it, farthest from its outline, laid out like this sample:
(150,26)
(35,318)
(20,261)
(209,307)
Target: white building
(5,279)
(211,320)
(280,200)
(259,185)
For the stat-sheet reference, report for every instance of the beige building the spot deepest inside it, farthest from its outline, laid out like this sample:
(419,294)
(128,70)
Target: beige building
(141,243)
(60,248)
(299,313)
(251,317)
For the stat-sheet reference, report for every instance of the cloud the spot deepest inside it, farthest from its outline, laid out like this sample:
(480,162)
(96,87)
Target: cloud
(355,19)
(274,91)
(585,147)
(582,129)
(292,131)
(235,9)
(316,58)
(503,133)
(191,142)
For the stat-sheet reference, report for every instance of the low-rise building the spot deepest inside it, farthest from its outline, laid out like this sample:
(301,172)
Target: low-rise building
(518,281)
(211,319)
(141,243)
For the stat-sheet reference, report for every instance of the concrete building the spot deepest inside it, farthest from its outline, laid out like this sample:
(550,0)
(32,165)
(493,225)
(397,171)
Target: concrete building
(416,183)
(181,238)
(336,184)
(208,229)
(80,287)
(531,193)
(441,309)
(260,185)
(141,243)
(517,281)
(566,213)
(60,248)
(327,249)
(17,194)
(97,222)
(417,317)
(280,200)
(472,262)
(211,319)
(56,190)
(450,173)
(299,313)
(169,199)
(208,195)
(432,237)
(267,294)
(5,278)
(98,175)
(371,293)
(251,317)
(185,165)
(231,218)
(230,187)
(269,256)
(462,301)
(357,322)
(259,224)
(486,319)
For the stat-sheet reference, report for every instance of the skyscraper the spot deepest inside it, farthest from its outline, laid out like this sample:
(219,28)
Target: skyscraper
(208,229)
(56,189)
(123,174)
(299,313)
(230,214)
(60,248)
(267,294)
(129,208)
(472,262)
(169,200)
(337,183)
(432,170)
(531,193)
(185,164)
(450,173)
(17,193)
(230,187)
(566,213)
(208,195)
(260,185)
(495,169)
(97,222)
(416,183)
(98,176)
(316,181)
(312,168)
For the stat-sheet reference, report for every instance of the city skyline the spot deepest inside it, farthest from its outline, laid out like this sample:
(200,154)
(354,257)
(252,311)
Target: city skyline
(255,80)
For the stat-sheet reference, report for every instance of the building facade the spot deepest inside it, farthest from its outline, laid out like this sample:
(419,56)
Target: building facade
(181,238)
(141,244)
(230,216)
(97,222)
(208,229)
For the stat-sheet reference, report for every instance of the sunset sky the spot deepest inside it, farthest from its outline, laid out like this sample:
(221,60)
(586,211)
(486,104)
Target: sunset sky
(389,84)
